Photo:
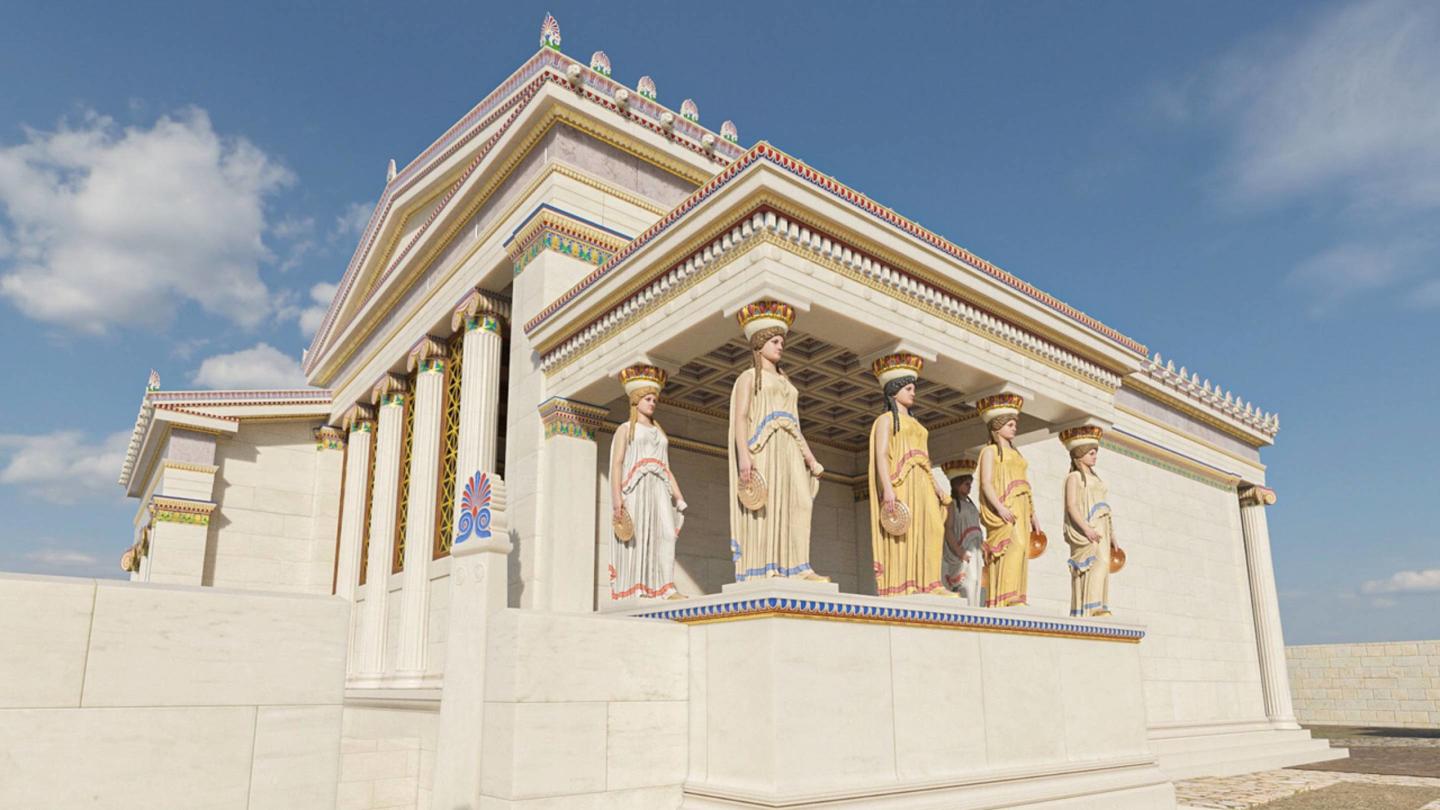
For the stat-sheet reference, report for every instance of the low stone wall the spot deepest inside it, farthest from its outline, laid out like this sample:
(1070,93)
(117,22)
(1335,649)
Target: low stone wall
(1382,684)
(126,695)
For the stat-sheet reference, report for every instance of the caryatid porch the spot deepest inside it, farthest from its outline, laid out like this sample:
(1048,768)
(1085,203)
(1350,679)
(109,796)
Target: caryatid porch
(669,300)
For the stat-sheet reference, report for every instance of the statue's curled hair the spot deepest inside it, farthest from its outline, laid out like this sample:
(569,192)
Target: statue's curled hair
(639,394)
(757,340)
(891,389)
(995,425)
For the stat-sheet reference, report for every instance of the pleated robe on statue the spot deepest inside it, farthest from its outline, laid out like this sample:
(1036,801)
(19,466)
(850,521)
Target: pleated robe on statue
(962,527)
(1089,562)
(775,539)
(908,563)
(1007,545)
(645,566)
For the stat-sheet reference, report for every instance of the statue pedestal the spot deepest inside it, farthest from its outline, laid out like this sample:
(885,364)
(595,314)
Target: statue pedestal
(803,697)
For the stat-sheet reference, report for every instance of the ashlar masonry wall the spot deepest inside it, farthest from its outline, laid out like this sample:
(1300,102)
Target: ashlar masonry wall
(278,503)
(1382,684)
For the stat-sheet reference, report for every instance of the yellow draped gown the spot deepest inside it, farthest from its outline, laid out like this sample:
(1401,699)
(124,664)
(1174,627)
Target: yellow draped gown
(1089,562)
(1007,545)
(775,540)
(908,563)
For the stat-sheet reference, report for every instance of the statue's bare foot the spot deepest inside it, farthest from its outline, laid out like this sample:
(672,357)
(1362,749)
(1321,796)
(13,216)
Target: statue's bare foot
(677,595)
(811,576)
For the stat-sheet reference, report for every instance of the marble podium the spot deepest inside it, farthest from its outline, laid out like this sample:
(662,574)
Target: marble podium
(801,696)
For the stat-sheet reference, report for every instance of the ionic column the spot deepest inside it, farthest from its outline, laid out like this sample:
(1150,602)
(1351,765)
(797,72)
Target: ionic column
(567,505)
(427,360)
(389,395)
(359,425)
(483,316)
(1269,641)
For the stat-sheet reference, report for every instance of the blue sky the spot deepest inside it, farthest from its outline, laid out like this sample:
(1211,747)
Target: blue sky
(1249,189)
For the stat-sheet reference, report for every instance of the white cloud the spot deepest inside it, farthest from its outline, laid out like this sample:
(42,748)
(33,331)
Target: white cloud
(63,467)
(260,366)
(114,226)
(352,221)
(1338,272)
(1338,114)
(1405,582)
(62,558)
(1346,103)
(312,315)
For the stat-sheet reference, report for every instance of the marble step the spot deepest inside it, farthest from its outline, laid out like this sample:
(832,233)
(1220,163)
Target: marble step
(1245,757)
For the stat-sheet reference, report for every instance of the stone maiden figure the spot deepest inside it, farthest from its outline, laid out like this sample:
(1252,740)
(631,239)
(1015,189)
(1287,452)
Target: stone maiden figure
(773,475)
(1006,508)
(907,517)
(1088,528)
(648,509)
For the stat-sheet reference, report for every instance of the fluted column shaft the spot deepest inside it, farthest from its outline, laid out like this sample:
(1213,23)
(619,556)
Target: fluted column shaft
(479,395)
(352,514)
(429,406)
(1265,602)
(388,440)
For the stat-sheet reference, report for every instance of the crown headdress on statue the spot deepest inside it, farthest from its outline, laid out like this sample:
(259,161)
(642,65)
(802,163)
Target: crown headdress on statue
(999,405)
(958,467)
(765,315)
(894,366)
(640,376)
(1083,436)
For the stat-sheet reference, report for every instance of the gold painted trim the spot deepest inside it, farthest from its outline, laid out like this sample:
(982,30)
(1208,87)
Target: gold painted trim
(1014,631)
(1167,456)
(765,237)
(325,374)
(169,504)
(188,467)
(1178,432)
(836,232)
(1151,390)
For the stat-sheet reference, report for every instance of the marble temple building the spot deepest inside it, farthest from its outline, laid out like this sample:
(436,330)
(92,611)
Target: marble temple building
(447,479)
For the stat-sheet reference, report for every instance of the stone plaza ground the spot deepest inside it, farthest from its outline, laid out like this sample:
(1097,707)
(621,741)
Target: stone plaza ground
(1388,769)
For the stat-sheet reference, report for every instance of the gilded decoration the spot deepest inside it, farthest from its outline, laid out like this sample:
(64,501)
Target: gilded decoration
(402,509)
(1168,460)
(390,389)
(369,515)
(561,351)
(767,153)
(517,91)
(359,417)
(564,417)
(480,309)
(181,510)
(428,355)
(449,448)
(551,119)
(329,437)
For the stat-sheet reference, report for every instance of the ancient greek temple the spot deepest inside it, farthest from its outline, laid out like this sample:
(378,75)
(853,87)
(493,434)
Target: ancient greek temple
(446,484)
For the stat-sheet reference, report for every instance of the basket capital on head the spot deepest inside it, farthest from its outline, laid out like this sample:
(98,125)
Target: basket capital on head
(766,314)
(894,366)
(640,377)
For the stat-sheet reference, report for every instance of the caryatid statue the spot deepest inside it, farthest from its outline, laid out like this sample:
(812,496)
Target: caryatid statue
(648,509)
(963,564)
(773,475)
(907,505)
(1088,529)
(1006,508)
